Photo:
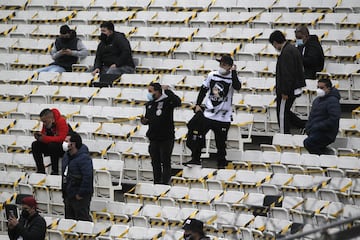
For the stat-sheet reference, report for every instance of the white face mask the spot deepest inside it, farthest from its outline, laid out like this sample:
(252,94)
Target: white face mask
(223,71)
(65,146)
(320,92)
(299,42)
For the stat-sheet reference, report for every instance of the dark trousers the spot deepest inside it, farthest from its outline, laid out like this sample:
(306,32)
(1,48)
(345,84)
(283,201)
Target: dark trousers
(52,149)
(160,153)
(317,144)
(285,116)
(220,130)
(78,209)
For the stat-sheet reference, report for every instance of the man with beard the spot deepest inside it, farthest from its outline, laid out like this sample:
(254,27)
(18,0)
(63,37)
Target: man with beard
(66,51)
(113,54)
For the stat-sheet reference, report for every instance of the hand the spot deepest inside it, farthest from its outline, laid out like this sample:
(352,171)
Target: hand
(37,135)
(113,65)
(198,108)
(66,51)
(144,120)
(233,67)
(12,222)
(284,97)
(78,197)
(97,70)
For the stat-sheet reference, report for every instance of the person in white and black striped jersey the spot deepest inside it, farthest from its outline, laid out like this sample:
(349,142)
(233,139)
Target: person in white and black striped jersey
(289,81)
(218,107)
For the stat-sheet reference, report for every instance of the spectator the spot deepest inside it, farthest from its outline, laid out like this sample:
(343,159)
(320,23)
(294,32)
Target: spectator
(160,118)
(311,51)
(289,81)
(49,140)
(66,51)
(194,230)
(218,107)
(323,124)
(113,54)
(30,226)
(77,178)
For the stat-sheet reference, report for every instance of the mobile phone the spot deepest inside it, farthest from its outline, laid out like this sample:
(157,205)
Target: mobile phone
(11,211)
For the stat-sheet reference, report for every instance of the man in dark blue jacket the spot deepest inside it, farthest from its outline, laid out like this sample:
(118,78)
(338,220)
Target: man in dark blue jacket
(323,124)
(77,178)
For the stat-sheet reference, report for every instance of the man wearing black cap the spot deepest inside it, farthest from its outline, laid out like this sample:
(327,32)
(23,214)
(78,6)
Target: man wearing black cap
(218,107)
(113,54)
(160,118)
(194,230)
(30,226)
(66,51)
(77,178)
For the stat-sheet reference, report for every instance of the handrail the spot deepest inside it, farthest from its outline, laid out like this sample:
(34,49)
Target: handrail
(321,229)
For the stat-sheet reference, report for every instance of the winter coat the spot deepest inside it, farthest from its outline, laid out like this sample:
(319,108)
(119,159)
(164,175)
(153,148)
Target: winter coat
(59,130)
(29,229)
(325,115)
(77,174)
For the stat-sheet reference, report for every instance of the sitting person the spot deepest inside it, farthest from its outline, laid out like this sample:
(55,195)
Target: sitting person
(49,140)
(113,54)
(66,51)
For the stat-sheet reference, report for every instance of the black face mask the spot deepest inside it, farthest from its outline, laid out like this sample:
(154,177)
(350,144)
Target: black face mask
(25,214)
(103,37)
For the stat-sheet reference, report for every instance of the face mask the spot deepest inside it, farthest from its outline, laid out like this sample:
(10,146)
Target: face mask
(25,214)
(299,42)
(320,92)
(150,96)
(103,37)
(222,71)
(65,146)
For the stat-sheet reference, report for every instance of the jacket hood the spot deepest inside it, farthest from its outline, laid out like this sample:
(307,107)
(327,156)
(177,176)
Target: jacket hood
(333,92)
(83,150)
(56,113)
(312,39)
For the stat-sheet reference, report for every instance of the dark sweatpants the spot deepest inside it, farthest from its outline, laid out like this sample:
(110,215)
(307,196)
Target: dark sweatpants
(52,149)
(220,130)
(317,144)
(285,116)
(78,209)
(160,153)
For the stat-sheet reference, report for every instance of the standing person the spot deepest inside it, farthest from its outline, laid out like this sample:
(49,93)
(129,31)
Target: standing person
(160,118)
(289,81)
(194,230)
(77,178)
(113,54)
(66,51)
(323,124)
(30,226)
(49,140)
(311,51)
(218,107)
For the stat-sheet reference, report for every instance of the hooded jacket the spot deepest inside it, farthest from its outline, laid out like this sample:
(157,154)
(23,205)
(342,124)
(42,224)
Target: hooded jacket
(313,57)
(289,71)
(115,49)
(29,229)
(58,131)
(325,115)
(77,174)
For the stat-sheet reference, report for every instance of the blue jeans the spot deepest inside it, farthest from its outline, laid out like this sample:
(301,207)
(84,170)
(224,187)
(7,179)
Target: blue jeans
(51,68)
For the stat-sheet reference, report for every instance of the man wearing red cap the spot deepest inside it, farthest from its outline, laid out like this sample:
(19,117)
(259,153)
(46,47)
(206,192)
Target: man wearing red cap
(30,226)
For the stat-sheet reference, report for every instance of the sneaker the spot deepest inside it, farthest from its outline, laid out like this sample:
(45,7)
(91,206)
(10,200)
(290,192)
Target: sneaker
(223,165)
(192,162)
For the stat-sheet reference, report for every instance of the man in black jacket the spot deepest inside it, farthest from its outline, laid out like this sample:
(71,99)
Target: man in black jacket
(160,118)
(311,51)
(289,81)
(113,54)
(66,51)
(30,226)
(323,124)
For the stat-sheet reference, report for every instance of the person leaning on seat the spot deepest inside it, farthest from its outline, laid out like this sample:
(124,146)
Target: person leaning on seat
(113,54)
(66,51)
(49,140)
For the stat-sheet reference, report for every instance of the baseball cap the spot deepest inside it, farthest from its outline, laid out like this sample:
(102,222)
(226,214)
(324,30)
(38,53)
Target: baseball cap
(64,29)
(194,225)
(226,59)
(30,201)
